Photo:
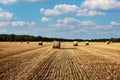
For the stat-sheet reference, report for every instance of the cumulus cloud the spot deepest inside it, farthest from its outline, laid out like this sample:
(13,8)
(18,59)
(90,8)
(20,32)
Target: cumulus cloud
(76,25)
(103,27)
(21,23)
(86,12)
(73,25)
(68,20)
(4,15)
(60,9)
(113,23)
(44,19)
(17,23)
(22,1)
(67,9)
(2,24)
(73,21)
(101,4)
(7,1)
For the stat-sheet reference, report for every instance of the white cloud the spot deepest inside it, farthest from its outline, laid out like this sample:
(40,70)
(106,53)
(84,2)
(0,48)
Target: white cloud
(2,24)
(7,1)
(101,4)
(4,15)
(68,20)
(107,26)
(87,23)
(73,21)
(73,25)
(21,1)
(113,23)
(77,25)
(17,23)
(32,23)
(44,19)
(60,9)
(21,23)
(68,9)
(86,12)
(103,27)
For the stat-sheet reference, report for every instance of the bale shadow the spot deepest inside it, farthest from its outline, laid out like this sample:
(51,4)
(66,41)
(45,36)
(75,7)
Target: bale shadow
(68,48)
(1,49)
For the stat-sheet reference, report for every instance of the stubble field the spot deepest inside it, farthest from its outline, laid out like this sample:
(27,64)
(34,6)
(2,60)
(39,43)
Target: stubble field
(22,61)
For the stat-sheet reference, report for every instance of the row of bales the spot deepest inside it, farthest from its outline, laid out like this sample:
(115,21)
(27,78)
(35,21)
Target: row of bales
(56,44)
(75,43)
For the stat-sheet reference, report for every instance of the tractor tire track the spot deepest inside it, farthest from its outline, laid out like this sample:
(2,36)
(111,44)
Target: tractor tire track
(43,67)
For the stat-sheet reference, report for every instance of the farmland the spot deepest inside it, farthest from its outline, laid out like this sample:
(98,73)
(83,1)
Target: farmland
(22,61)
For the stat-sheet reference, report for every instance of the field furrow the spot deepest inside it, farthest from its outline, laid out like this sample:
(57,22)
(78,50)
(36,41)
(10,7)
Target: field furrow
(21,64)
(99,64)
(92,62)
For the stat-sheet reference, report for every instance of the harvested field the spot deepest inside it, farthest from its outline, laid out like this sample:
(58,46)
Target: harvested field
(97,61)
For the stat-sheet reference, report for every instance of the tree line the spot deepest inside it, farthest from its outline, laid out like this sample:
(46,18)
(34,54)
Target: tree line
(13,37)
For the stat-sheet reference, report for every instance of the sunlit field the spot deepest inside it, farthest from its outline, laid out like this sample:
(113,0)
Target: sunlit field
(30,61)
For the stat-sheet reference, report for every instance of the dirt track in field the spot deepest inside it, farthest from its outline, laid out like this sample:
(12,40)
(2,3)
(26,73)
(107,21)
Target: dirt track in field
(97,61)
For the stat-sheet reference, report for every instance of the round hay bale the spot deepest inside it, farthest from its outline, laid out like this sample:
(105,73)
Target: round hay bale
(56,44)
(75,43)
(86,43)
(107,42)
(40,43)
(27,42)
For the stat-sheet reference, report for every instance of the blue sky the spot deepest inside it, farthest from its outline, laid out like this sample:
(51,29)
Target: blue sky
(83,19)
